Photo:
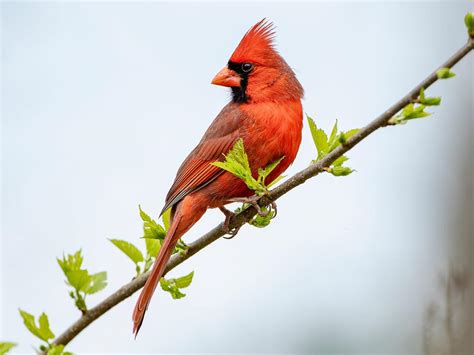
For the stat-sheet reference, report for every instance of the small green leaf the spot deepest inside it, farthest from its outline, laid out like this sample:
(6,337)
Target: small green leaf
(44,327)
(143,215)
(173,286)
(469,21)
(184,281)
(262,221)
(351,132)
(236,162)
(97,283)
(151,229)
(324,145)
(332,138)
(409,112)
(79,279)
(5,347)
(166,219)
(71,262)
(264,172)
(341,171)
(320,138)
(431,101)
(428,101)
(152,247)
(129,249)
(339,161)
(170,286)
(42,331)
(444,73)
(418,112)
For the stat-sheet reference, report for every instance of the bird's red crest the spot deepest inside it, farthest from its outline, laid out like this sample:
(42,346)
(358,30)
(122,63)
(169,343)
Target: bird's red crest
(256,45)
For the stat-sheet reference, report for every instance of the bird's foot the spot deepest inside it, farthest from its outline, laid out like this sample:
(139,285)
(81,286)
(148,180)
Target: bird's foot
(253,201)
(228,215)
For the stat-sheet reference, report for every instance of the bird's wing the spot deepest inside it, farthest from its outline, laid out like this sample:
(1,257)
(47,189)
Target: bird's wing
(197,170)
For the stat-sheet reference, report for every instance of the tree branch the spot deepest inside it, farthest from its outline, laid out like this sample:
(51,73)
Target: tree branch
(314,169)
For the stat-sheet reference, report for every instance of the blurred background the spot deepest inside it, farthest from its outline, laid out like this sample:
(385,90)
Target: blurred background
(103,101)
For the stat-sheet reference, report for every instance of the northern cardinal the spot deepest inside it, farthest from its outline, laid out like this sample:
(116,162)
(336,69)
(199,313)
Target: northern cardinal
(265,111)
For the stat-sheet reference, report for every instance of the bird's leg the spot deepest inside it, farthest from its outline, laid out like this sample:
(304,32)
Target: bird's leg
(228,215)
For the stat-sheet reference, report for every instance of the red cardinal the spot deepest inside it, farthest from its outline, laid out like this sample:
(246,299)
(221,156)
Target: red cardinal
(265,111)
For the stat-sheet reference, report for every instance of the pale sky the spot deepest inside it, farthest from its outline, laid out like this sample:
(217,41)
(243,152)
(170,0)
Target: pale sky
(102,102)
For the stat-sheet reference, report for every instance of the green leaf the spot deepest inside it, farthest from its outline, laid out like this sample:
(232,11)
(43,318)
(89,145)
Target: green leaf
(262,221)
(339,161)
(409,112)
(5,347)
(341,171)
(264,172)
(44,327)
(170,286)
(151,229)
(166,219)
(236,162)
(444,73)
(152,247)
(184,281)
(320,138)
(129,249)
(97,283)
(143,215)
(71,262)
(79,279)
(469,21)
(348,134)
(42,331)
(332,138)
(417,112)
(428,101)
(324,145)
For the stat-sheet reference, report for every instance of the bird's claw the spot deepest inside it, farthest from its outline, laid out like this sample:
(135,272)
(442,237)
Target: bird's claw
(232,233)
(274,208)
(253,201)
(228,215)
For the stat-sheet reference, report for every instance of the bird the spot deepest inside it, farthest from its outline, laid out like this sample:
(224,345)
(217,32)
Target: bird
(265,112)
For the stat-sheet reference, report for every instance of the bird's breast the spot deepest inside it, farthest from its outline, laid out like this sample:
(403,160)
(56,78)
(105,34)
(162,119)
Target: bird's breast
(273,130)
(269,131)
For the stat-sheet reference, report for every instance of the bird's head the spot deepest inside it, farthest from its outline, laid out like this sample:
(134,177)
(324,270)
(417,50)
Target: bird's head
(256,72)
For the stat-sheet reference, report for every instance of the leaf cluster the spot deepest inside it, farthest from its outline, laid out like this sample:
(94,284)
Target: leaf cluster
(236,162)
(153,235)
(82,282)
(41,330)
(416,109)
(174,286)
(445,73)
(326,144)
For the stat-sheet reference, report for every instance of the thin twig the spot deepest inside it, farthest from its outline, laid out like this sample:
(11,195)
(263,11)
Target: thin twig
(314,169)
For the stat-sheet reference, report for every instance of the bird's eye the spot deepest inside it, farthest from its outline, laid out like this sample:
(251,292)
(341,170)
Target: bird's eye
(247,67)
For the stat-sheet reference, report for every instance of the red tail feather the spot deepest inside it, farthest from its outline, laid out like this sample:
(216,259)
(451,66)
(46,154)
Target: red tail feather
(156,273)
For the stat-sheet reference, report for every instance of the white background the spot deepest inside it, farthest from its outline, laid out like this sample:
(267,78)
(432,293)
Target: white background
(102,102)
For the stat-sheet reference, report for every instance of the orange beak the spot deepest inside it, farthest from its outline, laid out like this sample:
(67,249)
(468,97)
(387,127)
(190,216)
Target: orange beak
(226,77)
